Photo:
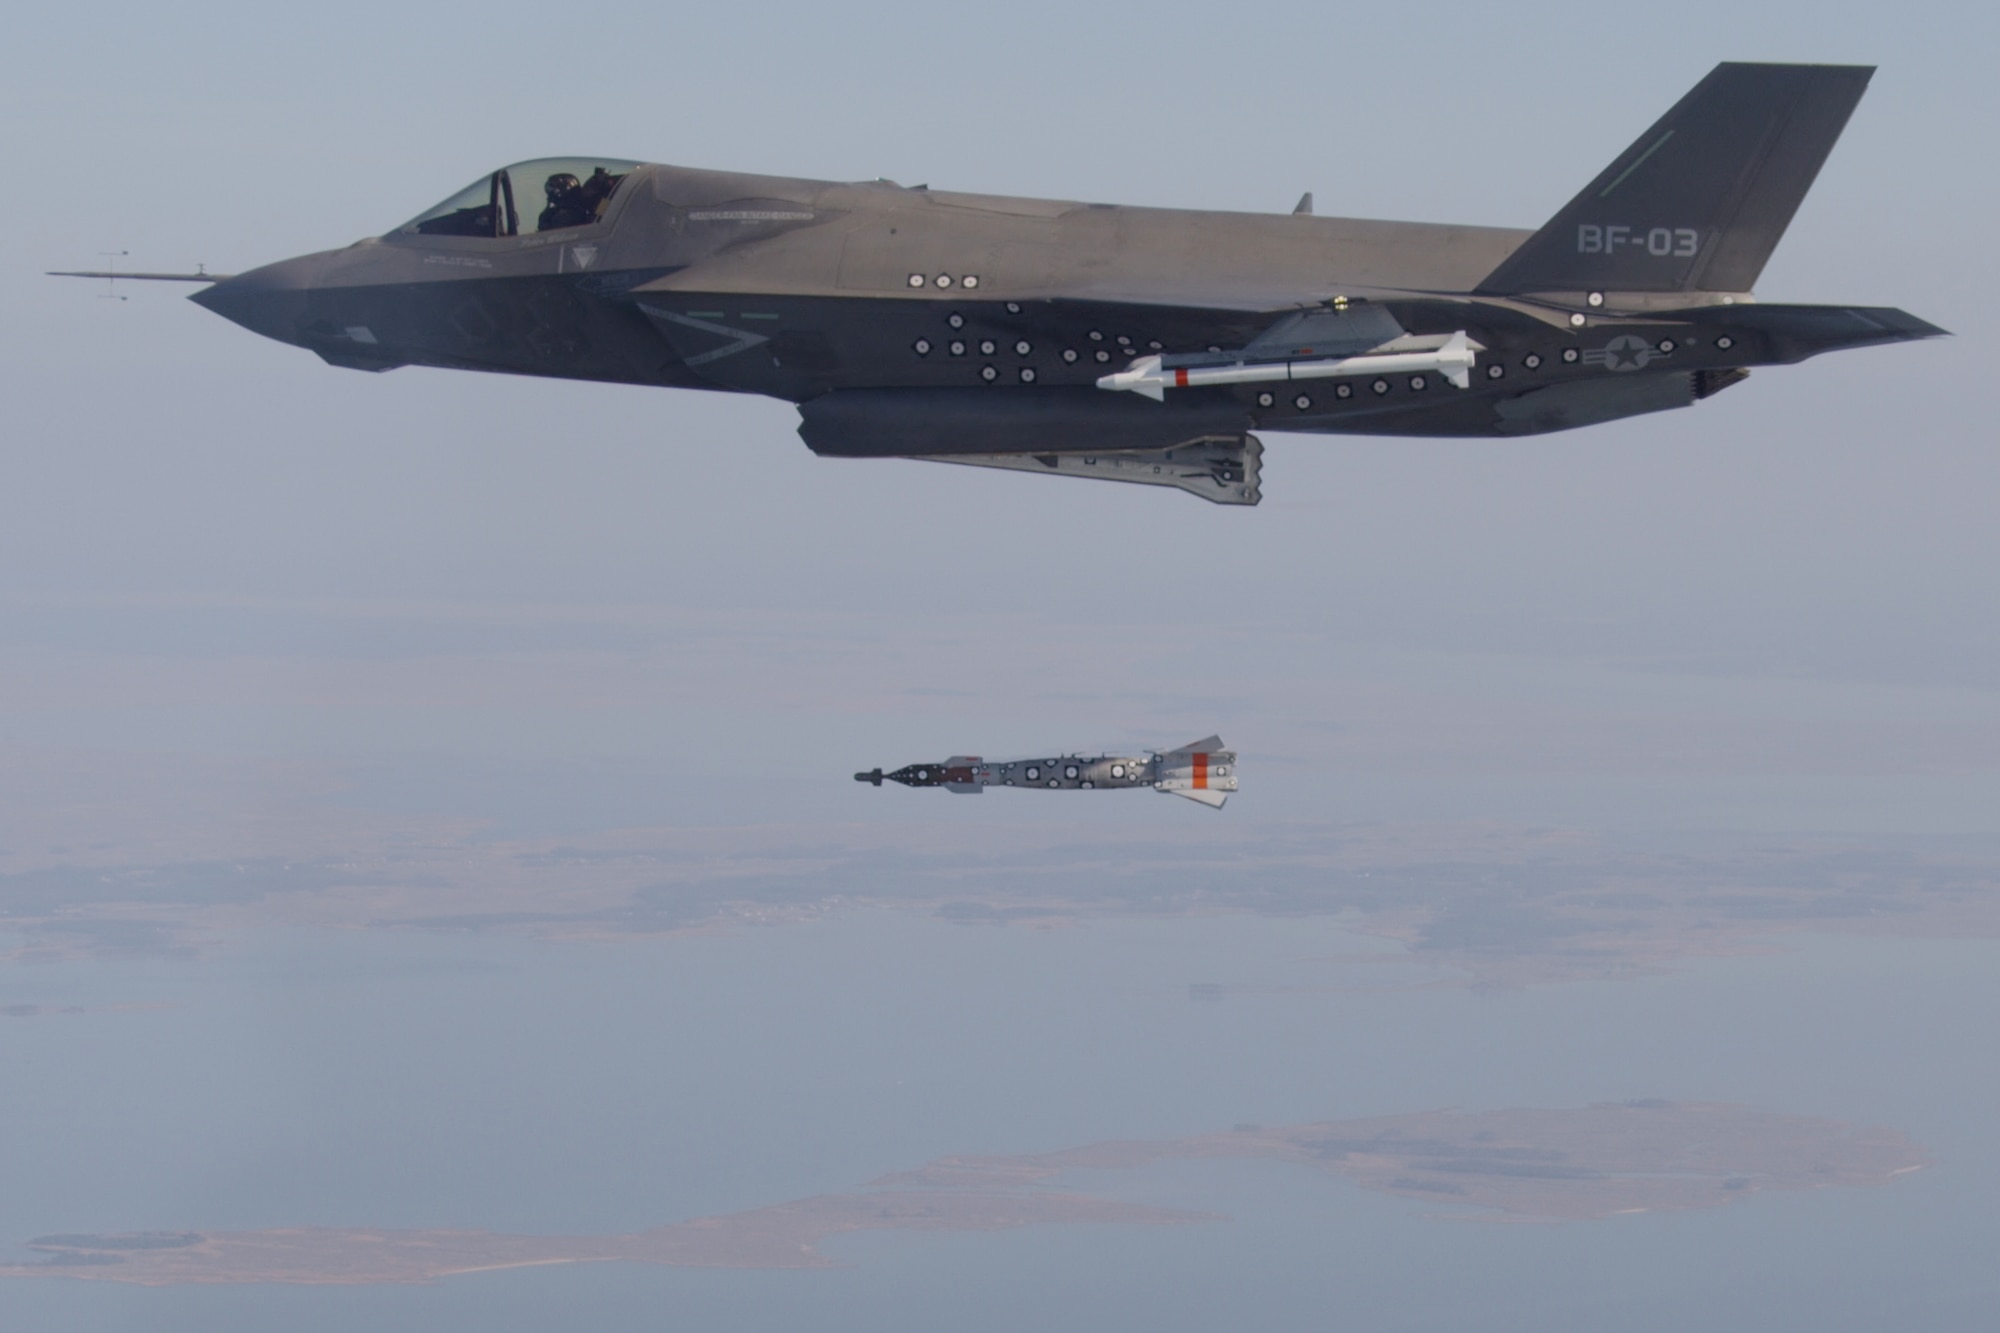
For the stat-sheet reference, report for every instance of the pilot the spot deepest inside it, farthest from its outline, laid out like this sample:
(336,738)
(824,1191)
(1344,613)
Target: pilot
(568,205)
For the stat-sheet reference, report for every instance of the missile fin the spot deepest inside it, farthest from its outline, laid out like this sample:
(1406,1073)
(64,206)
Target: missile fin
(1142,376)
(1455,360)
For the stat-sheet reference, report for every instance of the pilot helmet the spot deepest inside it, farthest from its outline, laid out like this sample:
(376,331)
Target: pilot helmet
(560,186)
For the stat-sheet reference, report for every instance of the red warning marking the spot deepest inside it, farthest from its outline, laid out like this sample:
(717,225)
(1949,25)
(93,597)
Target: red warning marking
(1180,379)
(1201,772)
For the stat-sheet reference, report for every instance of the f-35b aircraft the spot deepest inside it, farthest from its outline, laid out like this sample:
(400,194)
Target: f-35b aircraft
(1092,340)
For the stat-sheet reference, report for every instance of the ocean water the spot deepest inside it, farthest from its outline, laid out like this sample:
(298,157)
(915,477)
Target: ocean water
(433,1080)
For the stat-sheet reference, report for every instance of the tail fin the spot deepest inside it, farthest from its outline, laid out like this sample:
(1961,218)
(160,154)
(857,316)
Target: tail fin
(1699,201)
(1203,771)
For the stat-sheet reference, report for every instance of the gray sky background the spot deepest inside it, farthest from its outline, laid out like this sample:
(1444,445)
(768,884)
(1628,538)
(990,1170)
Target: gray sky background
(261,614)
(214,543)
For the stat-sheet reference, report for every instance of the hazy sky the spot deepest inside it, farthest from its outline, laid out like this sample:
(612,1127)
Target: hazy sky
(255,609)
(1831,521)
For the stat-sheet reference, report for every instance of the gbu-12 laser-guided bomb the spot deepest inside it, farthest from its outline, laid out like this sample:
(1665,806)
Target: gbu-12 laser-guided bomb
(1203,771)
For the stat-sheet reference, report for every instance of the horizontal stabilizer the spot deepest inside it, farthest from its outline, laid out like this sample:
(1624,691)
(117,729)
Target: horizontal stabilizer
(1795,332)
(1699,201)
(1212,799)
(1222,469)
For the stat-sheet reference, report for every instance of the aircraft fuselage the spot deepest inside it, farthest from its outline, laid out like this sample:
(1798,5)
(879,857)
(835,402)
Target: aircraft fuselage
(977,328)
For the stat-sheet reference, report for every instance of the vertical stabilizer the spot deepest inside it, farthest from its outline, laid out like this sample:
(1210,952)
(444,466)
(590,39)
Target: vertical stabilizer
(1699,201)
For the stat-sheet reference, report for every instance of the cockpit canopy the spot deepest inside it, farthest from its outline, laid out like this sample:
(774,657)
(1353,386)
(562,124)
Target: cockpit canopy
(547,194)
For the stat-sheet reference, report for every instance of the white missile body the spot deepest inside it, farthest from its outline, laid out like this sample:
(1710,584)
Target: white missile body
(1148,375)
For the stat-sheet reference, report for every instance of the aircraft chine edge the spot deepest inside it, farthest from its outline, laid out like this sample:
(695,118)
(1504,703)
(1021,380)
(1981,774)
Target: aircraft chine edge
(1128,344)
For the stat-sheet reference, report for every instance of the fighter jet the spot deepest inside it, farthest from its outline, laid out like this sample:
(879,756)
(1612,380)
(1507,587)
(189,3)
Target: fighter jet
(1091,340)
(1203,771)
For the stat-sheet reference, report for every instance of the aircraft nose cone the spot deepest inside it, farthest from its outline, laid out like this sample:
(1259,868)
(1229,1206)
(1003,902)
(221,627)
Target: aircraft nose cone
(269,300)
